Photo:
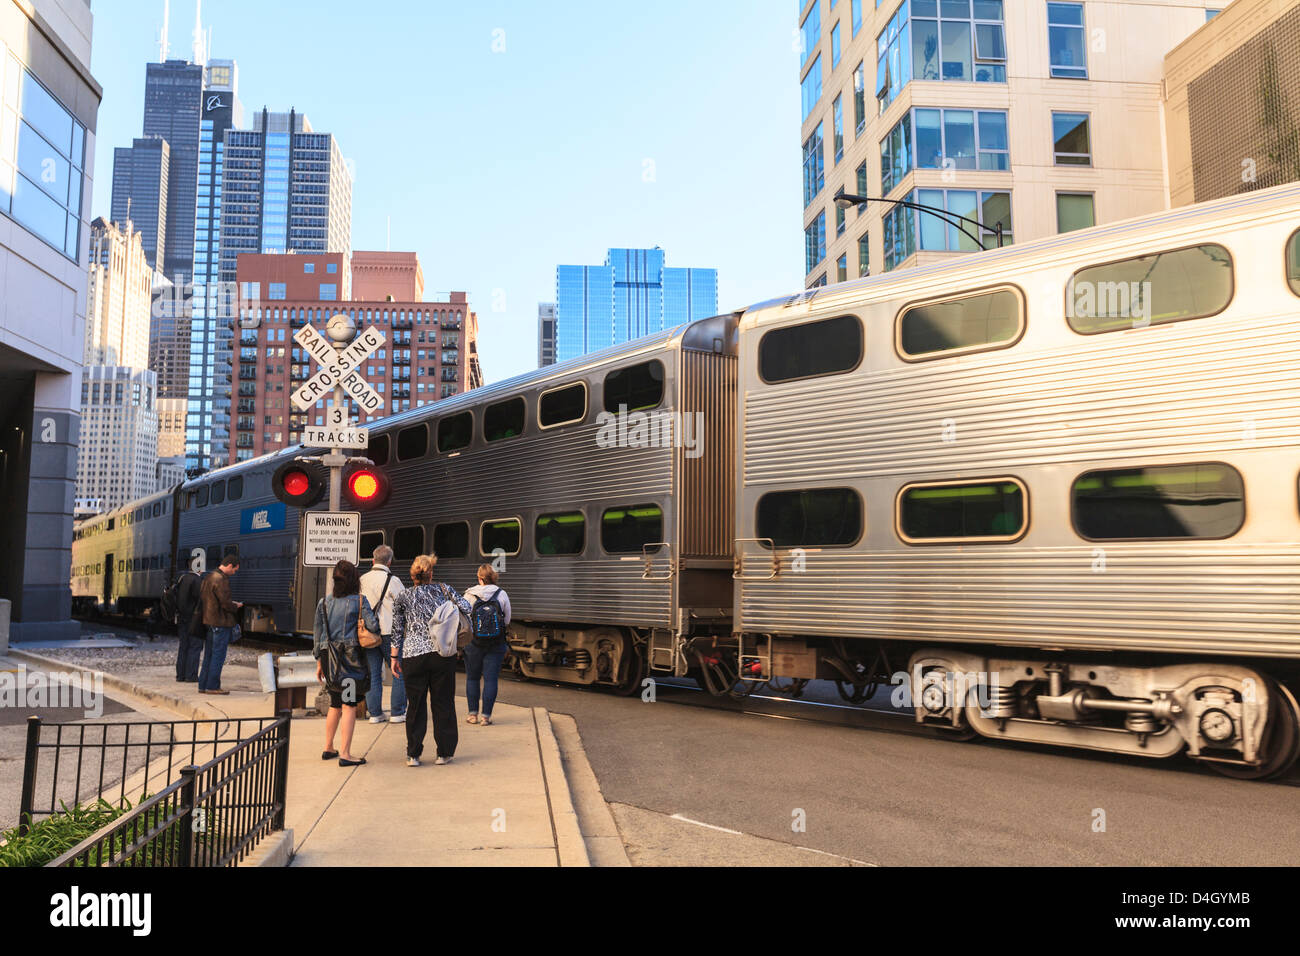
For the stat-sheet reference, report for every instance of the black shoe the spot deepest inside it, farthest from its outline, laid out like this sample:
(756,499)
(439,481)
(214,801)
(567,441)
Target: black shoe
(328,754)
(351,763)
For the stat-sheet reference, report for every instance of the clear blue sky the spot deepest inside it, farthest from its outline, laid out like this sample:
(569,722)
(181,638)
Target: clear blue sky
(497,166)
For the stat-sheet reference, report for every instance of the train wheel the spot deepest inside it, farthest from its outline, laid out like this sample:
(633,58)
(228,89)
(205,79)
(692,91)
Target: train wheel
(636,670)
(1282,740)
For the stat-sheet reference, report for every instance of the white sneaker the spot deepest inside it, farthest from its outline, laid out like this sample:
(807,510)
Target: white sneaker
(379,718)
(442,760)
(413,761)
(398,719)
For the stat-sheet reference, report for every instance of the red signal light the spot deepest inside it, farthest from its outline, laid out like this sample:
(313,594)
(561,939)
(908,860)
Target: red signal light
(296,483)
(299,483)
(363,485)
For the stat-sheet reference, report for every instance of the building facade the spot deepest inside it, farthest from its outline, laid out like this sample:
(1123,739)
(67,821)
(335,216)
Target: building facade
(118,295)
(1232,103)
(173,103)
(1042,116)
(430,350)
(545,333)
(117,460)
(631,295)
(50,104)
(140,192)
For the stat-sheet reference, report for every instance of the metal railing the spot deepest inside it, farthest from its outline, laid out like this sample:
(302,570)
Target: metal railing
(212,815)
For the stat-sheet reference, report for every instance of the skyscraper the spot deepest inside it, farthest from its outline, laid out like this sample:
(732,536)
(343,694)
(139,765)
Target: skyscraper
(545,333)
(631,295)
(140,192)
(117,297)
(173,100)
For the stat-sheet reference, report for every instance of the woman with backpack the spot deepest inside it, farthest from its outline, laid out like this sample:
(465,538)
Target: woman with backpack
(484,655)
(426,618)
(340,665)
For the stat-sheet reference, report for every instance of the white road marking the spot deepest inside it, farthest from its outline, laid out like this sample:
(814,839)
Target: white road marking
(710,826)
(808,849)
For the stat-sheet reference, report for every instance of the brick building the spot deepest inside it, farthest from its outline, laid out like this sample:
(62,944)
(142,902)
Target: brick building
(430,353)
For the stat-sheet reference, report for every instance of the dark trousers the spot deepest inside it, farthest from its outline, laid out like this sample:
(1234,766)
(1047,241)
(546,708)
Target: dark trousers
(431,677)
(187,654)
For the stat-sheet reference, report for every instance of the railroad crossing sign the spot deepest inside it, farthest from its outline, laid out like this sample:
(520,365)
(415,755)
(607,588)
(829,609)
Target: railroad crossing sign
(338,432)
(339,367)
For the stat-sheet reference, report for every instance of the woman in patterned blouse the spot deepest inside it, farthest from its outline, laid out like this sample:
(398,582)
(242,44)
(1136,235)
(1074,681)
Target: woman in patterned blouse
(418,662)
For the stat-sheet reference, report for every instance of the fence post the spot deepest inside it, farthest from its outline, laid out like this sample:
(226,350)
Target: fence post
(187,815)
(29,775)
(282,770)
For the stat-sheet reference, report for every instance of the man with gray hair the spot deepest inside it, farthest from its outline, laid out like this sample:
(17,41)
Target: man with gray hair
(380,586)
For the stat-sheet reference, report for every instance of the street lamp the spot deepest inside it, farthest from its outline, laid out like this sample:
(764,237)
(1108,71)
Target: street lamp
(845,200)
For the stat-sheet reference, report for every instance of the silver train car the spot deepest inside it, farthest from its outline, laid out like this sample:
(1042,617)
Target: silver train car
(121,559)
(1055,485)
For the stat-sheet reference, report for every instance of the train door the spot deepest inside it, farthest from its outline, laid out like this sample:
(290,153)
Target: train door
(308,588)
(108,579)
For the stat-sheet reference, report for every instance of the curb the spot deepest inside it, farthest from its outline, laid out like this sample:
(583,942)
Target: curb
(600,832)
(169,701)
(275,850)
(569,844)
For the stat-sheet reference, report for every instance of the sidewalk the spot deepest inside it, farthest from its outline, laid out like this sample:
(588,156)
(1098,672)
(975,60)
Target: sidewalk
(503,801)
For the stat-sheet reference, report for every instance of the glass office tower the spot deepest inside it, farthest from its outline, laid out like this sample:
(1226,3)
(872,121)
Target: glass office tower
(631,295)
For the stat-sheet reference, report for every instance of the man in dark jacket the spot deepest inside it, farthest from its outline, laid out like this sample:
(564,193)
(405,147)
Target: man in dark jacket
(191,644)
(220,615)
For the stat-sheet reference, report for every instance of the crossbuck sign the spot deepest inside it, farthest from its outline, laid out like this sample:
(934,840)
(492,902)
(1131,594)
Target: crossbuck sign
(339,368)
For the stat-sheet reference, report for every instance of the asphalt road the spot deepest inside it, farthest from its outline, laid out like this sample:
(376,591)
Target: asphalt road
(895,798)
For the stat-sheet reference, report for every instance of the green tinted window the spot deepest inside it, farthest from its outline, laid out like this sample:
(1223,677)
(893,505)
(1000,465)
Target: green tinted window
(627,530)
(972,322)
(814,517)
(561,533)
(503,420)
(1293,262)
(451,540)
(455,431)
(636,387)
(1150,290)
(503,534)
(1166,501)
(985,509)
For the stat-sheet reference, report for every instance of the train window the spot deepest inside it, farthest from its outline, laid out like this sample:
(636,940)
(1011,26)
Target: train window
(989,510)
(235,488)
(139,514)
(955,326)
(1293,262)
(455,431)
(1163,287)
(561,533)
(560,406)
(451,540)
(201,497)
(412,442)
(218,492)
(377,451)
(408,543)
(1200,500)
(499,536)
(827,347)
(821,517)
(634,388)
(369,541)
(157,508)
(628,530)
(503,420)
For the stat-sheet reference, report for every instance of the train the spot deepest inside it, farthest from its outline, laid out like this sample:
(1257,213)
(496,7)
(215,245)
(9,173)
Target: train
(1048,493)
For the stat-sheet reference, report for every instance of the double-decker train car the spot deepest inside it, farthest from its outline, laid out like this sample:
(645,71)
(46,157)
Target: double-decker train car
(121,559)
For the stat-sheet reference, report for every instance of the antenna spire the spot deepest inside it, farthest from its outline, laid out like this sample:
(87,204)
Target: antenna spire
(200,54)
(162,34)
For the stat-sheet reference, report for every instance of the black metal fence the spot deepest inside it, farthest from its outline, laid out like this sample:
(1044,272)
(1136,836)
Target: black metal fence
(212,815)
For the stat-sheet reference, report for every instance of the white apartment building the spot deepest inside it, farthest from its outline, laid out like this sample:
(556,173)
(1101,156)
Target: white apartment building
(1040,115)
(118,288)
(117,460)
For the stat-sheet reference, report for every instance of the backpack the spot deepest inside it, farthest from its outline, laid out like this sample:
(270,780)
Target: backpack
(488,620)
(443,628)
(169,605)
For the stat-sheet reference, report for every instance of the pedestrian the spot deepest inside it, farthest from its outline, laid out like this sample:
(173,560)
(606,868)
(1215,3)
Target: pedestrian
(489,614)
(416,659)
(220,619)
(186,590)
(340,665)
(380,586)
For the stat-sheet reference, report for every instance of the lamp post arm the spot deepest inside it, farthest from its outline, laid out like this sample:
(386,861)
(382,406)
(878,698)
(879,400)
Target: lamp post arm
(942,214)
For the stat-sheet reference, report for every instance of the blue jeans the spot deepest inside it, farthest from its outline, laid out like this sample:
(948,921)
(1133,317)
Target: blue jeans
(485,664)
(376,657)
(214,657)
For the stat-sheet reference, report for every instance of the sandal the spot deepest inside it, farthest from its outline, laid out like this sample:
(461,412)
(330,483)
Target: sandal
(328,754)
(472,719)
(485,720)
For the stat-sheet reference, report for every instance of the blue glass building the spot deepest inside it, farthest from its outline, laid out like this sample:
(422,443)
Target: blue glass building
(631,295)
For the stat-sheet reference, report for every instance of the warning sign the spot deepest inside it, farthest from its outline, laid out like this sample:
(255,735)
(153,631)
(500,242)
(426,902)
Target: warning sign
(329,537)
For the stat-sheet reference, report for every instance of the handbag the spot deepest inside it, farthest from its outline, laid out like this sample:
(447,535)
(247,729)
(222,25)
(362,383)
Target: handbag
(366,637)
(345,672)
(464,630)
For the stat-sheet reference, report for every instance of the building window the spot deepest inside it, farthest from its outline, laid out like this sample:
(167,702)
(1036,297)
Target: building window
(811,30)
(966,324)
(944,139)
(329,291)
(275,290)
(451,540)
(331,267)
(811,87)
(1073,145)
(813,168)
(959,40)
(859,99)
(635,388)
(819,517)
(815,242)
(1074,211)
(501,536)
(857,16)
(835,46)
(1201,500)
(561,533)
(632,529)
(1155,289)
(864,255)
(308,268)
(1293,262)
(837,126)
(980,511)
(1065,41)
(907,230)
(810,350)
(842,269)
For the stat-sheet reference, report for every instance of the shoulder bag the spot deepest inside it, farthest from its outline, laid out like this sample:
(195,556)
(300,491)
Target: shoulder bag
(346,673)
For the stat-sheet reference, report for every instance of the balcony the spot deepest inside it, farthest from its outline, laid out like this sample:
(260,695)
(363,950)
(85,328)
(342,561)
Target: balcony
(247,389)
(247,406)
(248,340)
(247,373)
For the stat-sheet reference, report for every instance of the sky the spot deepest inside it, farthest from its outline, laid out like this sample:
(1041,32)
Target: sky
(500,139)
